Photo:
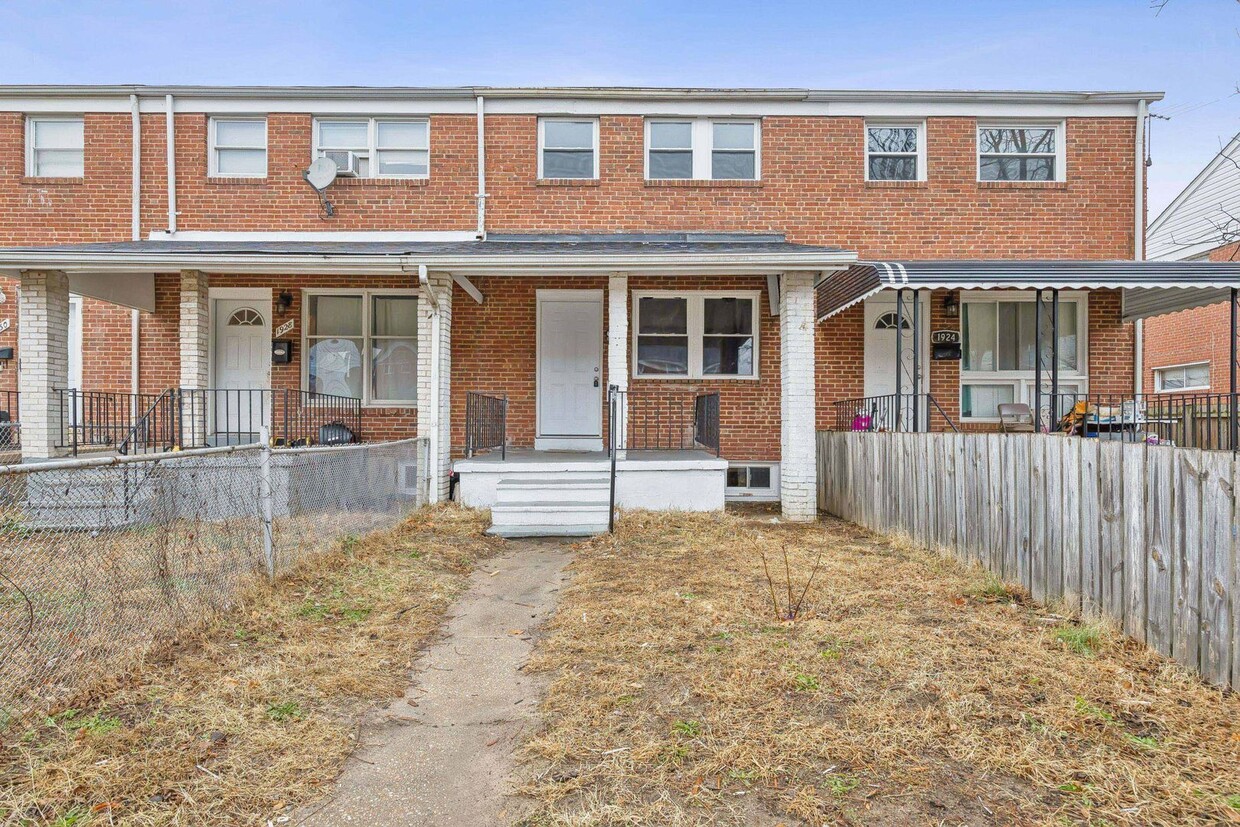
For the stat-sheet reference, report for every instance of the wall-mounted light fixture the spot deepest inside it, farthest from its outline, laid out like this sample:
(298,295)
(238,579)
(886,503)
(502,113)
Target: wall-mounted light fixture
(951,306)
(284,301)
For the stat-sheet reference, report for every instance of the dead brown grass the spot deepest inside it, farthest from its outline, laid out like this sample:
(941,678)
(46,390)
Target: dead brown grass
(913,691)
(239,722)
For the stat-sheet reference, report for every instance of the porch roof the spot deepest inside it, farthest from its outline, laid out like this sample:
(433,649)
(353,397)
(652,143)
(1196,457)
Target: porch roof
(671,253)
(1150,288)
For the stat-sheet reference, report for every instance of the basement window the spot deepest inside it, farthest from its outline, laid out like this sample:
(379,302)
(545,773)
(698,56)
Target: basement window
(752,481)
(55,147)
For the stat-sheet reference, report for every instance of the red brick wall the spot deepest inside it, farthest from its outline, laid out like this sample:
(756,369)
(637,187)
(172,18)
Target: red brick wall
(812,189)
(1199,335)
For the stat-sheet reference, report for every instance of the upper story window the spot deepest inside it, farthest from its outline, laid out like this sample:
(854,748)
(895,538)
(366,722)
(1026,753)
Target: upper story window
(567,148)
(696,335)
(703,149)
(375,147)
(1179,378)
(895,152)
(238,147)
(55,147)
(1020,153)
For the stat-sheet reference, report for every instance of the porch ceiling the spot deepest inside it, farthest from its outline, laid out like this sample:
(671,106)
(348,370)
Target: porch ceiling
(675,253)
(1151,288)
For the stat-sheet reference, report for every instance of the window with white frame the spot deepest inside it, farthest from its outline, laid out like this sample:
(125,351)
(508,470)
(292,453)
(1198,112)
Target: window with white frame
(1020,153)
(55,147)
(238,147)
(1180,378)
(384,147)
(567,148)
(695,335)
(895,152)
(752,481)
(703,149)
(363,344)
(999,349)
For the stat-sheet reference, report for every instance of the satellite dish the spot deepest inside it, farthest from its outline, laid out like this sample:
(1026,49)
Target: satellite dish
(321,173)
(320,176)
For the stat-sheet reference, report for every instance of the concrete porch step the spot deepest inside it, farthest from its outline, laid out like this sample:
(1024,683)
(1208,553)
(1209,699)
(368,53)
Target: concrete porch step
(548,530)
(534,489)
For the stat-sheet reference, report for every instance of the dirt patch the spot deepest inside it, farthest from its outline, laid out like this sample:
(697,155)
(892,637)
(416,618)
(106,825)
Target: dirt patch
(912,690)
(240,722)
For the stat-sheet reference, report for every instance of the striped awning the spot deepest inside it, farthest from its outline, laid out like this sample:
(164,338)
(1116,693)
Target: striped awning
(1151,288)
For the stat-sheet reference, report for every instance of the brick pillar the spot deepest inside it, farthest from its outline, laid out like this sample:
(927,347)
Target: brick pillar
(194,338)
(618,351)
(441,465)
(798,442)
(43,360)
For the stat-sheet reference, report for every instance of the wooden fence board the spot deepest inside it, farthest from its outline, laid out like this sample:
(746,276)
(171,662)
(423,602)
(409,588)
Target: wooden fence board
(1091,572)
(1159,559)
(1146,535)
(1186,546)
(1134,539)
(1217,602)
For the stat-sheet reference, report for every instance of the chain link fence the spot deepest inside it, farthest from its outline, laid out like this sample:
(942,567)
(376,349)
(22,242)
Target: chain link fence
(100,558)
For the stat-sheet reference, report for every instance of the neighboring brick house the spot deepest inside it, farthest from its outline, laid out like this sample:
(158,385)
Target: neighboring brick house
(544,244)
(1190,351)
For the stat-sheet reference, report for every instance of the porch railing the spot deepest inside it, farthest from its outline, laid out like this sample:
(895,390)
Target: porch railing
(10,424)
(204,417)
(1193,420)
(486,423)
(665,421)
(902,413)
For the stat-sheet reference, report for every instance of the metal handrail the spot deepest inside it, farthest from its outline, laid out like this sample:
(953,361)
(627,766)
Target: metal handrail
(486,423)
(668,420)
(888,412)
(143,425)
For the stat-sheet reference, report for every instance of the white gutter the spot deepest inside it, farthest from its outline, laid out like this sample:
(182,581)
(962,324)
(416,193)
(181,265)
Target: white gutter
(135,230)
(482,170)
(1138,247)
(432,437)
(172,165)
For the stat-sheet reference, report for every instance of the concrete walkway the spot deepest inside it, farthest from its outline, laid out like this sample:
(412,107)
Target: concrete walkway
(440,756)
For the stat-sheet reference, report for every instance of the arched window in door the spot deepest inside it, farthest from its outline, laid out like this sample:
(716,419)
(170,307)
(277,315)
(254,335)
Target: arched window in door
(887,321)
(245,317)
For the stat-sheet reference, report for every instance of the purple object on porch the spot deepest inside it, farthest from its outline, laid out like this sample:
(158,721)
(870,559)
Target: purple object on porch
(861,422)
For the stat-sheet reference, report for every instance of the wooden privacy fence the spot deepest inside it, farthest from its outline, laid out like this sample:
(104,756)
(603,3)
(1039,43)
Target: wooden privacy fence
(1145,535)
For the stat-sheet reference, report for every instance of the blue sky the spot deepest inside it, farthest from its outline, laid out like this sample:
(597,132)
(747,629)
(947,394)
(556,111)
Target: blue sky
(1191,50)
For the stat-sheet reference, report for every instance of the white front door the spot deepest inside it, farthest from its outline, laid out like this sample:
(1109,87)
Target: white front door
(881,348)
(242,366)
(570,369)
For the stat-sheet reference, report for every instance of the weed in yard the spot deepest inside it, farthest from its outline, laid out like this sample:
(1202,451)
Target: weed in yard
(1084,639)
(990,589)
(1085,708)
(349,543)
(804,683)
(74,817)
(285,711)
(841,785)
(1233,801)
(1142,741)
(690,729)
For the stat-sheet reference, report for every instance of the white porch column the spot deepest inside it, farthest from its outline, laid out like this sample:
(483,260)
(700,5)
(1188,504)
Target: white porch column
(618,351)
(798,468)
(194,339)
(43,354)
(441,353)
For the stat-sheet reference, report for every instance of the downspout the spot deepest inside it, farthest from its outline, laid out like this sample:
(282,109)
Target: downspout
(482,171)
(432,439)
(135,232)
(170,129)
(1138,247)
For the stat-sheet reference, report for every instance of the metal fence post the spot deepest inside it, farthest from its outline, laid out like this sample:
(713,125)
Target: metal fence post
(264,499)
